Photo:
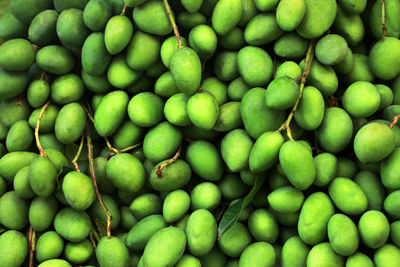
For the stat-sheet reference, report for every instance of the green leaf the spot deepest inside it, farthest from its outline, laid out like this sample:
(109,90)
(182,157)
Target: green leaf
(232,214)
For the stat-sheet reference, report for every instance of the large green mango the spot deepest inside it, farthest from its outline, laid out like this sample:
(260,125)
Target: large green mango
(55,59)
(95,58)
(235,150)
(13,247)
(226,14)
(112,252)
(70,123)
(16,55)
(152,18)
(12,162)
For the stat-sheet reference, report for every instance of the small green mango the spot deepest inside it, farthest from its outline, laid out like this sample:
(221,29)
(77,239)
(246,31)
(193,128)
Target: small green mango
(97,212)
(78,253)
(323,255)
(361,99)
(294,252)
(331,49)
(175,110)
(55,263)
(71,29)
(188,261)
(21,184)
(384,58)
(290,45)
(326,165)
(262,29)
(96,14)
(348,196)
(120,75)
(374,228)
(235,150)
(42,177)
(38,92)
(151,17)
(322,77)
(12,162)
(203,40)
(389,170)
(143,51)
(387,255)
(12,83)
(215,258)
(229,117)
(290,13)
(19,137)
(176,205)
(49,246)
(55,59)
(13,211)
(372,187)
(226,15)
(201,232)
(350,27)
(145,205)
(42,212)
(112,252)
(233,40)
(48,120)
(391,205)
(203,110)
(118,33)
(16,55)
(225,65)
(234,241)
(13,248)
(286,199)
(205,196)
(72,225)
(78,190)
(42,30)
(343,235)
(359,259)
(172,177)
(265,151)
(146,109)
(70,123)
(168,47)
(95,57)
(263,226)
(282,93)
(251,255)
(310,112)
(127,135)
(25,11)
(11,27)
(165,85)
(192,6)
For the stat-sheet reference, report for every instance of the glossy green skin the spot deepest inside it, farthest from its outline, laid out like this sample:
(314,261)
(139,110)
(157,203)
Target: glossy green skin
(71,29)
(11,27)
(322,77)
(229,117)
(318,18)
(50,141)
(37,93)
(185,67)
(145,205)
(111,112)
(286,199)
(25,11)
(233,40)
(331,49)
(205,196)
(226,15)
(173,176)
(49,246)
(191,6)
(16,55)
(326,167)
(225,65)
(290,13)
(67,88)
(201,232)
(391,205)
(348,196)
(374,228)
(251,255)
(203,40)
(257,117)
(14,248)
(165,85)
(48,120)
(188,261)
(72,225)
(168,47)
(335,131)
(42,212)
(188,21)
(217,88)
(255,66)
(264,153)
(127,135)
(55,59)
(266,5)
(126,172)
(290,45)
(282,93)
(298,164)
(359,259)
(294,253)
(21,184)
(175,109)
(388,255)
(361,99)
(235,150)
(143,51)
(152,18)
(386,95)
(176,205)
(57,158)
(12,162)
(323,255)
(96,14)
(146,109)
(389,170)
(395,232)
(55,263)
(19,137)
(118,33)
(262,29)
(343,235)
(42,30)
(263,226)
(12,83)
(392,21)
(112,252)
(161,142)
(234,241)
(372,187)
(384,58)
(95,58)
(97,211)
(13,211)
(78,190)
(203,110)
(43,177)
(314,216)
(78,253)
(374,142)
(70,123)
(165,248)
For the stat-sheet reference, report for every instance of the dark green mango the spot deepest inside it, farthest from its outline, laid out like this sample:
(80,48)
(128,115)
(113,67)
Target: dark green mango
(95,58)
(16,55)
(19,137)
(13,211)
(350,27)
(118,33)
(188,20)
(392,20)
(229,117)
(165,85)
(71,29)
(21,184)
(11,27)
(42,30)
(12,83)
(98,214)
(310,112)
(120,75)
(96,83)
(60,5)
(262,29)
(127,135)
(78,190)
(96,14)
(225,65)
(55,59)
(70,123)
(290,45)
(25,11)
(12,162)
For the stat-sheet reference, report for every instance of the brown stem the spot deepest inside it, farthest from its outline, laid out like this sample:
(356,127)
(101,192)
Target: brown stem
(394,121)
(123,11)
(42,154)
(169,162)
(32,245)
(78,153)
(19,101)
(384,29)
(334,100)
(96,188)
(174,26)
(110,147)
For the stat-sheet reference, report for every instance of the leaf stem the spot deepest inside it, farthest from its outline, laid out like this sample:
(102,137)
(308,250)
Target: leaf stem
(173,24)
(39,146)
(169,162)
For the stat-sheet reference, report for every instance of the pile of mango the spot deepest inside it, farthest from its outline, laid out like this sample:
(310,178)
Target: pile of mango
(188,133)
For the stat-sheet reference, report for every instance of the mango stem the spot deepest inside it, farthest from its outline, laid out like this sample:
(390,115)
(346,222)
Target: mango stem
(395,119)
(39,146)
(123,11)
(96,188)
(78,153)
(169,162)
(173,24)
(32,245)
(384,29)
(19,101)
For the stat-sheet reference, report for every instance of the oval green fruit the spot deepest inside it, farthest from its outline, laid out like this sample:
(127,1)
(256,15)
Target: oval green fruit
(15,256)
(201,232)
(16,55)
(171,177)
(112,252)
(226,14)
(70,123)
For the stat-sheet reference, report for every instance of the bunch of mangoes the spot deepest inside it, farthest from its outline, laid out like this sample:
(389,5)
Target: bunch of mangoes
(188,133)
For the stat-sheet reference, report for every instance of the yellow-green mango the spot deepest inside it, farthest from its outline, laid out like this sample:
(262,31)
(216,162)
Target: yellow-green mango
(67,88)
(11,27)
(145,205)
(323,255)
(72,225)
(265,151)
(286,199)
(361,99)
(95,57)
(16,55)
(387,256)
(48,120)
(201,232)
(38,93)
(13,248)
(326,165)
(290,13)
(203,40)
(374,228)
(266,5)
(322,77)
(372,187)
(118,33)
(112,252)
(384,58)
(359,259)
(391,205)
(143,51)
(226,15)
(120,75)
(389,170)
(78,190)
(188,261)
(290,45)
(262,29)
(282,93)
(175,110)
(70,123)
(42,212)
(229,117)
(173,176)
(152,18)
(251,256)
(165,85)
(350,27)
(192,6)
(13,211)
(55,263)
(310,112)
(235,150)
(55,59)
(348,196)
(331,49)
(78,253)
(127,135)
(168,47)
(234,241)
(294,253)
(96,14)
(146,109)
(176,205)
(263,225)
(12,162)
(12,83)
(71,29)
(203,110)
(212,199)
(343,235)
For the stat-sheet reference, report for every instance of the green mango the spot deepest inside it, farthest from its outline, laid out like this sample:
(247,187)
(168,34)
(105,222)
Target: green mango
(322,77)
(318,18)
(237,88)
(386,95)
(214,259)
(335,131)
(173,176)
(206,103)
(229,117)
(225,65)
(42,212)
(348,196)
(374,142)
(48,120)
(205,195)
(49,246)
(111,112)
(262,29)
(143,51)
(191,6)
(234,241)
(323,255)
(67,88)
(360,71)
(165,85)
(294,252)
(282,93)
(372,187)
(95,57)
(353,7)
(14,248)
(286,199)
(392,20)
(112,252)
(257,117)
(16,55)
(42,177)
(55,263)
(72,225)
(161,142)
(117,34)
(25,11)
(133,3)
(127,219)
(42,30)
(145,205)
(97,212)
(12,83)
(168,47)
(151,17)
(298,164)
(226,15)
(146,109)
(71,29)
(57,158)
(384,58)
(3,187)
(11,27)
(201,232)
(78,253)
(120,75)
(96,14)
(127,135)
(264,153)
(60,5)
(389,172)
(19,137)
(188,261)
(314,217)
(21,184)
(175,109)
(12,162)
(310,111)
(203,41)
(232,187)
(290,13)
(233,40)
(251,255)
(13,211)
(263,226)
(361,99)
(391,205)
(374,229)
(343,235)
(394,232)
(38,92)
(235,150)
(176,205)
(326,165)
(55,59)
(78,190)
(387,255)
(359,259)
(70,123)
(290,45)
(266,5)
(165,248)
(331,49)
(96,84)
(350,27)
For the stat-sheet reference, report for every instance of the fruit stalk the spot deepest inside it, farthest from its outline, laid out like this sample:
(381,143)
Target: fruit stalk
(32,245)
(394,121)
(78,153)
(169,162)
(174,26)
(384,19)
(39,146)
(123,11)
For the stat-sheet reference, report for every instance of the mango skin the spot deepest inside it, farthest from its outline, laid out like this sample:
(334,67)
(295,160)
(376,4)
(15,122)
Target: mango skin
(229,117)
(19,137)
(392,21)
(71,29)
(265,151)
(263,225)
(343,235)
(70,123)
(95,57)
(16,55)
(205,195)
(42,30)
(78,190)
(234,241)
(389,170)
(286,199)
(226,14)
(143,51)
(67,88)
(48,120)
(390,205)
(145,205)
(12,162)
(384,58)
(314,217)
(361,99)
(111,112)
(164,248)
(25,11)
(255,66)
(290,13)
(251,255)
(235,150)
(372,187)
(42,212)
(168,47)
(49,246)
(374,228)
(11,27)
(174,176)
(326,165)
(78,253)
(203,110)
(146,109)
(311,109)
(323,255)
(55,263)
(118,33)
(294,252)
(13,211)
(262,29)
(112,252)
(55,59)
(201,232)
(387,255)
(175,109)
(42,177)
(176,205)
(72,225)
(12,83)
(359,259)
(127,135)
(13,247)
